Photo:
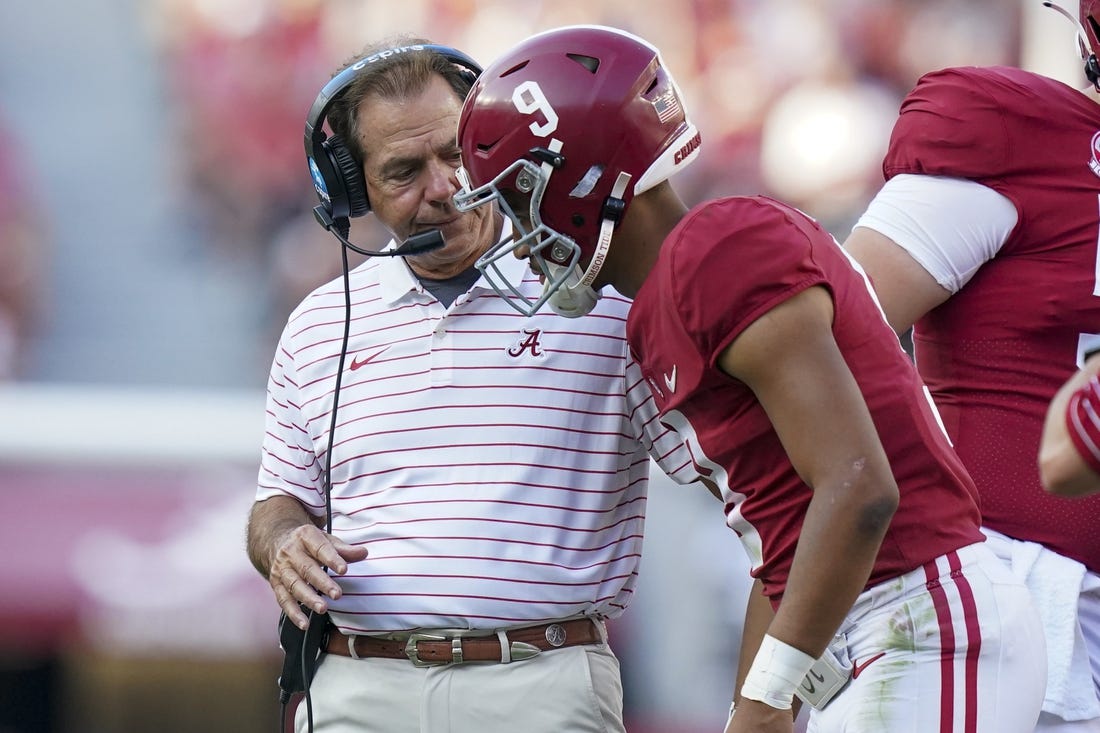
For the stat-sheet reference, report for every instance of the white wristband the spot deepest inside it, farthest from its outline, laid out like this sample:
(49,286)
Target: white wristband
(776,672)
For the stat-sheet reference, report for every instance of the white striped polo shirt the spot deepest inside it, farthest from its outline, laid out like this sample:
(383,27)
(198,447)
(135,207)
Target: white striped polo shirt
(492,464)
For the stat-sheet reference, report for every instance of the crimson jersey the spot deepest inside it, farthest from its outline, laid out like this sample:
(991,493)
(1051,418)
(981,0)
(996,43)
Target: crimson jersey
(727,263)
(995,353)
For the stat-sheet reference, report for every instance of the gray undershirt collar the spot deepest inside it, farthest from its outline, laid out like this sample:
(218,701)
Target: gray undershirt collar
(447,290)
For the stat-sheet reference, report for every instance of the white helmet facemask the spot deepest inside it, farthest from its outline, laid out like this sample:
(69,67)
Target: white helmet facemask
(566,288)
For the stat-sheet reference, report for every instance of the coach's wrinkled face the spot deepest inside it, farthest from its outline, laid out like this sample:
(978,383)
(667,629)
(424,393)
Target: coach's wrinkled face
(410,163)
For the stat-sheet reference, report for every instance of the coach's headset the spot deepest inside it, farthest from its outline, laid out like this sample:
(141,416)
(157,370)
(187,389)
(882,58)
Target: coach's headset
(338,177)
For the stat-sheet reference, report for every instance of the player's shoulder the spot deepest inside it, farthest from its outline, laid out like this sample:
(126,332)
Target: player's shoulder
(985,123)
(733,216)
(966,90)
(740,239)
(739,221)
(964,121)
(732,259)
(953,79)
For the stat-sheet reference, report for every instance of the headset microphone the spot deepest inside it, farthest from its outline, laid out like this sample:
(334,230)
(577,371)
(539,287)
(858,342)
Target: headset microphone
(416,244)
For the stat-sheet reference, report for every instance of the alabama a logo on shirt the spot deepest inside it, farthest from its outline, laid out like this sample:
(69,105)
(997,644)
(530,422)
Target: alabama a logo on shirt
(528,343)
(1094,164)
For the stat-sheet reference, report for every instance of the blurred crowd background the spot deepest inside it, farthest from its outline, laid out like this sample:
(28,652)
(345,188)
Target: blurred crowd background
(156,230)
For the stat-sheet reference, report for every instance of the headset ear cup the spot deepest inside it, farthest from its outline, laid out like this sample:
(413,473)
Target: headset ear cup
(469,76)
(351,174)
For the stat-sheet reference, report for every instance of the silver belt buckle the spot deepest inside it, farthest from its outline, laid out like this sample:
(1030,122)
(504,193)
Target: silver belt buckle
(414,655)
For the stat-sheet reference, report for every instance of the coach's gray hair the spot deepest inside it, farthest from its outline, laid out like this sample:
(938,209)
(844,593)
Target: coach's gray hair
(396,77)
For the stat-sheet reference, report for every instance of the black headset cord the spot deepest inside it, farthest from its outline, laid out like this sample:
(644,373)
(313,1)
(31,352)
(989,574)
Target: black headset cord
(307,637)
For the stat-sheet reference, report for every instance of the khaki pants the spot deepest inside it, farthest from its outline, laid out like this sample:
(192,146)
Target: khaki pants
(576,689)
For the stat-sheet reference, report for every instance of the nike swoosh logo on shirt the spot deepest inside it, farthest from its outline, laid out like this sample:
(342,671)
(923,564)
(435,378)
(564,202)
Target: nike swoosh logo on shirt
(670,381)
(356,362)
(857,669)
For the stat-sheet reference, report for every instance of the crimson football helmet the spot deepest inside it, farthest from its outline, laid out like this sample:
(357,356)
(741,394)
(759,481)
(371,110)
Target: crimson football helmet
(561,132)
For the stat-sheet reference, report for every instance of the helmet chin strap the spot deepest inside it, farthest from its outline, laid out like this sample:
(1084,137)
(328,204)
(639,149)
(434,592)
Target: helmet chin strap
(575,297)
(571,299)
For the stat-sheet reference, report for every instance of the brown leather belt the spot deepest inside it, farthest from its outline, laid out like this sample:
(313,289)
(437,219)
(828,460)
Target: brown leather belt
(425,649)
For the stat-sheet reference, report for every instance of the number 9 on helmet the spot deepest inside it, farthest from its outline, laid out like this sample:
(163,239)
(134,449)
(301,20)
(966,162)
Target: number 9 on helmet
(562,132)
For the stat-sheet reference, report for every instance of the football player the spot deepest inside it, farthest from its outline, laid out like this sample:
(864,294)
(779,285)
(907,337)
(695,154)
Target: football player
(984,240)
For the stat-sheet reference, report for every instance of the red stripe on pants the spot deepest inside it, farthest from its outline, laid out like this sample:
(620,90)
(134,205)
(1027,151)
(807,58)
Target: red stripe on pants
(973,641)
(948,646)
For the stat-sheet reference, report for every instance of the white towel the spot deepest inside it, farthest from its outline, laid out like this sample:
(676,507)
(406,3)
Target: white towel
(1055,584)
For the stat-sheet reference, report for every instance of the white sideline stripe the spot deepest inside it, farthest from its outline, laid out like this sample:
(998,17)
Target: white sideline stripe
(129,425)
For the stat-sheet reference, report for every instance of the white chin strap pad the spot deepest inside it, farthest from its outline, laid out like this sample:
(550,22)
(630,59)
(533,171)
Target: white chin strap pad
(571,299)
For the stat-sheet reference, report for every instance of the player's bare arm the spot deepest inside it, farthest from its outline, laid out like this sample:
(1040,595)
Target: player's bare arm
(789,359)
(906,291)
(291,551)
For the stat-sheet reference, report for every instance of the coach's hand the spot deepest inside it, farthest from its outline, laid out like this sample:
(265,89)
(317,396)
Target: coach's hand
(298,570)
(293,553)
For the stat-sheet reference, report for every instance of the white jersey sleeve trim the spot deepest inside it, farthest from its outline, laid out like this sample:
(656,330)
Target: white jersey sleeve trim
(951,226)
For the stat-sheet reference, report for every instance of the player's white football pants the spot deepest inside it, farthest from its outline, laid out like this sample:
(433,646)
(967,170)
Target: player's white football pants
(953,647)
